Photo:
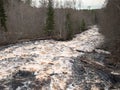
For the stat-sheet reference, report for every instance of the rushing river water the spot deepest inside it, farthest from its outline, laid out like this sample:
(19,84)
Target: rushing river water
(45,64)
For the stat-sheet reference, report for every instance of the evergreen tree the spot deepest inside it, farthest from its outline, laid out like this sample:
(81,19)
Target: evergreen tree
(3,15)
(83,25)
(95,16)
(49,29)
(68,26)
(29,2)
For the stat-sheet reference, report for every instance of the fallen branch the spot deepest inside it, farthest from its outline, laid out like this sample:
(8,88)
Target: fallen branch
(95,65)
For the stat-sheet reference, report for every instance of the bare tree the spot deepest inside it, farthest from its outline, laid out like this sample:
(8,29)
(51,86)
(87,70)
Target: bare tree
(74,4)
(43,3)
(68,4)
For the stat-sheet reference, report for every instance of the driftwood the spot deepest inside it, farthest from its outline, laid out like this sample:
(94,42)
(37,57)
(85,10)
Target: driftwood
(96,65)
(84,51)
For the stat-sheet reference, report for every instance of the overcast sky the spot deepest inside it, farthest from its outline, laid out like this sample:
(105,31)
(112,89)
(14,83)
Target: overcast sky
(92,3)
(85,4)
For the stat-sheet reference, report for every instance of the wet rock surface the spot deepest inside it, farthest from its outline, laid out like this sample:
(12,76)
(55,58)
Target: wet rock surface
(54,65)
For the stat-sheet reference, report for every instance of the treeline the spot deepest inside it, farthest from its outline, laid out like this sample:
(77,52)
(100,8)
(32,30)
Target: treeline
(26,22)
(50,24)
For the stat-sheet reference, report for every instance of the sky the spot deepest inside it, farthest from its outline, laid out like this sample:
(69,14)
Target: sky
(92,3)
(83,4)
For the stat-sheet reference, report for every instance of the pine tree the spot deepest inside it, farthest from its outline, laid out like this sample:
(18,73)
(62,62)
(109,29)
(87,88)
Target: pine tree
(95,18)
(29,2)
(3,15)
(83,25)
(49,29)
(68,26)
